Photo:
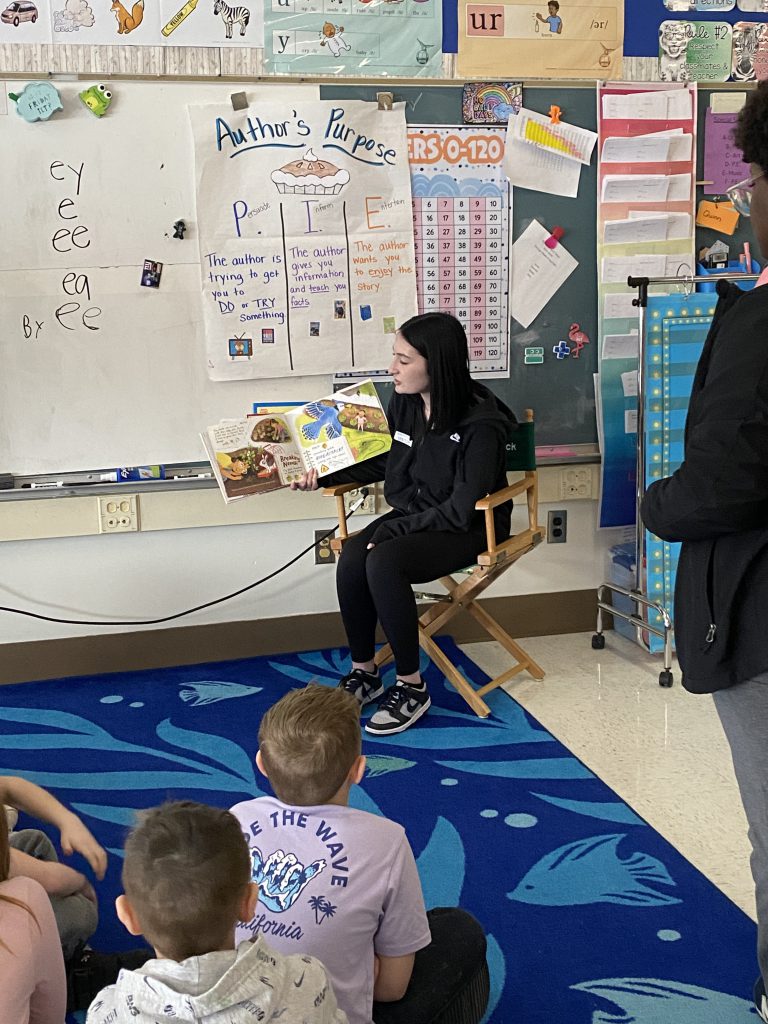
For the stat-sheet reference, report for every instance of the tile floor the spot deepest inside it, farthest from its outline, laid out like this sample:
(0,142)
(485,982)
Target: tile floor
(662,750)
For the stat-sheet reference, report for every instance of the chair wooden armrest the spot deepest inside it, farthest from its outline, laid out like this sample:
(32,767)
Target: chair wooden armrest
(502,496)
(528,485)
(518,542)
(334,492)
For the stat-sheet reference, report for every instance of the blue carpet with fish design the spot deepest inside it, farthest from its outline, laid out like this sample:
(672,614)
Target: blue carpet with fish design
(591,916)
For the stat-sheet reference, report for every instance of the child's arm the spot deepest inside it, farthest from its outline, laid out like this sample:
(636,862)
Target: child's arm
(38,803)
(57,879)
(392,977)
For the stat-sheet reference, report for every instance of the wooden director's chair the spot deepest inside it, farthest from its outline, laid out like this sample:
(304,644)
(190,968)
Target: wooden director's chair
(463,594)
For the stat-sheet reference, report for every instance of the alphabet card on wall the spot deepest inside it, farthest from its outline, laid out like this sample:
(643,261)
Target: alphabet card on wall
(354,37)
(562,38)
(25,21)
(133,22)
(306,235)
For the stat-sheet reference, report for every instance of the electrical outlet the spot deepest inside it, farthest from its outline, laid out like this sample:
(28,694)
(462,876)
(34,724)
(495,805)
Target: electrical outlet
(323,552)
(368,508)
(118,513)
(576,482)
(557,527)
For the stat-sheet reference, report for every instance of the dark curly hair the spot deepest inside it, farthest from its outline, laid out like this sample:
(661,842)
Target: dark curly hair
(751,133)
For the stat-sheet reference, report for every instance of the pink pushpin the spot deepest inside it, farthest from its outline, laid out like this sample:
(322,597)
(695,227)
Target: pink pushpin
(554,238)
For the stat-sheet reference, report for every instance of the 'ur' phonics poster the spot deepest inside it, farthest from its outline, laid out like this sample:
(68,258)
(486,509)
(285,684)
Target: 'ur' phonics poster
(306,236)
(559,39)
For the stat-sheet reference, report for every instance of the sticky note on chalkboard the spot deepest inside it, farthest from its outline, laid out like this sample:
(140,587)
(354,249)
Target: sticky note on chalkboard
(722,217)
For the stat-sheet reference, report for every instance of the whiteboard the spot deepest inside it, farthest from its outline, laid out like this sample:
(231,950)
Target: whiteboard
(97,371)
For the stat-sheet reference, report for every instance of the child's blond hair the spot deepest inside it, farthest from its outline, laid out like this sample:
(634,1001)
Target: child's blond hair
(186,872)
(309,741)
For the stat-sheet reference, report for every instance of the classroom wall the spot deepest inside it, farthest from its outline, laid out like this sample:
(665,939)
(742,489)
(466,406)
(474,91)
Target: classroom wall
(158,573)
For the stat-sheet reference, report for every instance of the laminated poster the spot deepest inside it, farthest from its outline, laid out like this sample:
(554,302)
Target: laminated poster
(354,37)
(461,219)
(213,23)
(559,39)
(694,51)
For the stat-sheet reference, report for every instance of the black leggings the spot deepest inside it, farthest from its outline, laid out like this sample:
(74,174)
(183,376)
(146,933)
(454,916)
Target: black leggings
(376,585)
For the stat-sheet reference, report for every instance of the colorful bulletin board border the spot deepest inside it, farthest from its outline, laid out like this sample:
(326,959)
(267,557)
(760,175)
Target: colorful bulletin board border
(676,328)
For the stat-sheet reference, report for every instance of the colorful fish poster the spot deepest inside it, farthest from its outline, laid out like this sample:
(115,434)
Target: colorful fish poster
(559,39)
(305,234)
(354,37)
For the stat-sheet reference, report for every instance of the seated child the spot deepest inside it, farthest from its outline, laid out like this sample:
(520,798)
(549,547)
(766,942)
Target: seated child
(32,983)
(33,855)
(341,884)
(187,882)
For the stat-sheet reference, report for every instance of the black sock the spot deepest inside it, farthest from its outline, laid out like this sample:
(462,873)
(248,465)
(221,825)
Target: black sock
(421,685)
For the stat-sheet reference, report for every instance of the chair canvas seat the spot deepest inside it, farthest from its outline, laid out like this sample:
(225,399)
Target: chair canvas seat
(463,594)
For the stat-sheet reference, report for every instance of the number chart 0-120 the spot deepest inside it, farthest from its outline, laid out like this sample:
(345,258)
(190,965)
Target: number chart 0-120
(461,209)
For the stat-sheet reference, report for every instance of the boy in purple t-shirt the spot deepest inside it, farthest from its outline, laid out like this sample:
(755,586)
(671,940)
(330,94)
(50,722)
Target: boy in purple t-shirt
(339,883)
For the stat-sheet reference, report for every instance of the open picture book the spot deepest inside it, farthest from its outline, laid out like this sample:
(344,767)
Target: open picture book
(262,453)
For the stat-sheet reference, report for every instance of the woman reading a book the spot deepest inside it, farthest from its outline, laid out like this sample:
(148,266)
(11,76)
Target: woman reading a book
(448,451)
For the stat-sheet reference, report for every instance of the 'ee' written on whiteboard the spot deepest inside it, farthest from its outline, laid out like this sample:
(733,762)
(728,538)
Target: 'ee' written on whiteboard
(71,314)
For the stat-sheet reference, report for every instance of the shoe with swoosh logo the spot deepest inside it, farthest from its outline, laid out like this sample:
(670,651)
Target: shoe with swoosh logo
(400,707)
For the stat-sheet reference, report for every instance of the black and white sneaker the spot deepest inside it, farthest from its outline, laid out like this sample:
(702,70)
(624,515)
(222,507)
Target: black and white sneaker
(761,1000)
(401,707)
(364,686)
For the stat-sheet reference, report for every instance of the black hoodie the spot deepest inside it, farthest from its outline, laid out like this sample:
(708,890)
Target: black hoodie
(435,479)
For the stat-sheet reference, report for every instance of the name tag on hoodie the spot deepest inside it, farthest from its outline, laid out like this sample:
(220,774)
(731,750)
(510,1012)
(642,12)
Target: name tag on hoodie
(400,436)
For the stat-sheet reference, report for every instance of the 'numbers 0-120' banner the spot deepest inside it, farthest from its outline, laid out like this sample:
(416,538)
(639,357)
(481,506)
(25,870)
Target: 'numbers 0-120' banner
(306,236)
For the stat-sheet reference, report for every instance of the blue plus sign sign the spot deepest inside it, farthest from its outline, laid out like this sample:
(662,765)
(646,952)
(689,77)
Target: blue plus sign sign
(562,350)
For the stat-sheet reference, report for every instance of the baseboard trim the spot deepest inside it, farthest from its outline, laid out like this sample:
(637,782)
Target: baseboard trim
(530,615)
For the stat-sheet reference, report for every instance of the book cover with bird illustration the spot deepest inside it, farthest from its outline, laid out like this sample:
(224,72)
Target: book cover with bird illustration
(257,454)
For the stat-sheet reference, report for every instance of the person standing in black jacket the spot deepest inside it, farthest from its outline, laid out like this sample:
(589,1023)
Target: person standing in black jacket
(449,437)
(716,503)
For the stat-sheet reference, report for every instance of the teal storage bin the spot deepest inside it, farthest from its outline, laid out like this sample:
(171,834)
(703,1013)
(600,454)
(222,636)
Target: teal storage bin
(733,268)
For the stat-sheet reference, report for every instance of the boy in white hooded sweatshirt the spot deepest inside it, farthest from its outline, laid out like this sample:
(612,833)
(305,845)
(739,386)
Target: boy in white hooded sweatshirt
(187,881)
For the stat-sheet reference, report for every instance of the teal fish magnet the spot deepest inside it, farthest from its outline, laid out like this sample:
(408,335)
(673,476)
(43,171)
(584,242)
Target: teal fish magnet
(97,98)
(37,101)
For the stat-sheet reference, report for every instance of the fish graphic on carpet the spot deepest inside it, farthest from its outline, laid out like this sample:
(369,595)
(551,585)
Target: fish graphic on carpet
(380,764)
(208,691)
(656,1001)
(591,871)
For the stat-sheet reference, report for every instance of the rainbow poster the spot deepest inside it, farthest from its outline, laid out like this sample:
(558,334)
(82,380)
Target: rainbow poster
(491,102)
